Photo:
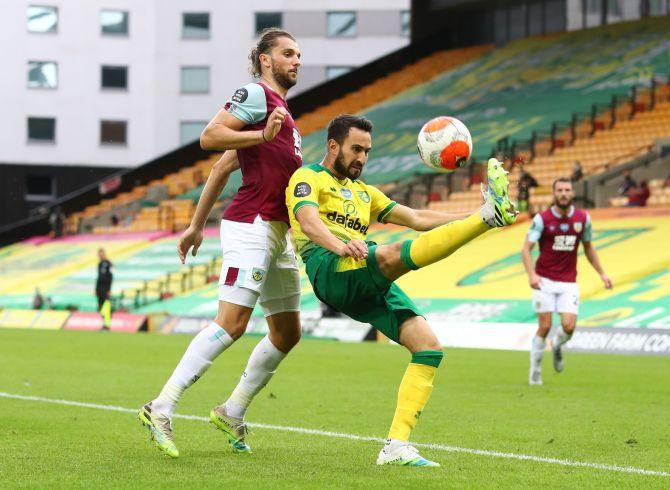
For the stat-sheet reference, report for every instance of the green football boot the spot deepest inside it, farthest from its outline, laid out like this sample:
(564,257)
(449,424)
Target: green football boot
(235,429)
(498,210)
(160,427)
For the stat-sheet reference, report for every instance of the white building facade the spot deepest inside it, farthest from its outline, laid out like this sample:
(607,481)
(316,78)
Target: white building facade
(116,83)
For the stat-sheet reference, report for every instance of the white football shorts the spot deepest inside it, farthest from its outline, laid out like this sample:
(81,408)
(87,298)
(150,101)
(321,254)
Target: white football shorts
(556,297)
(259,264)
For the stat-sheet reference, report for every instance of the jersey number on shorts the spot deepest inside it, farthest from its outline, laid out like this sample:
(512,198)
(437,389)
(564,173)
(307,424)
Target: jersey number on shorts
(297,142)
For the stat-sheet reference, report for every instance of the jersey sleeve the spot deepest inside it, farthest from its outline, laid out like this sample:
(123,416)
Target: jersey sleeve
(380,204)
(248,104)
(536,229)
(302,190)
(587,235)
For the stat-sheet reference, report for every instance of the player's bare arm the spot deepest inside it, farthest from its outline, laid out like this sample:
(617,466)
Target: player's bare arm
(533,278)
(216,182)
(421,219)
(224,131)
(594,260)
(312,226)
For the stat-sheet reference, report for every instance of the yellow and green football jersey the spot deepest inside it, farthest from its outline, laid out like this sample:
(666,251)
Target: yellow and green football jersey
(345,206)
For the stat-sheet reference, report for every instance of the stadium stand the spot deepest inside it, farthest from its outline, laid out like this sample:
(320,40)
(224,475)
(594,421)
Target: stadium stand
(512,92)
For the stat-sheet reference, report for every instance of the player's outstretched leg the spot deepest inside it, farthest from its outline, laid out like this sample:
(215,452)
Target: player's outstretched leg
(414,392)
(157,414)
(439,243)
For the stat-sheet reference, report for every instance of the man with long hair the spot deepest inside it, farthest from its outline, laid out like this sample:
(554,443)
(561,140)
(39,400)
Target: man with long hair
(259,136)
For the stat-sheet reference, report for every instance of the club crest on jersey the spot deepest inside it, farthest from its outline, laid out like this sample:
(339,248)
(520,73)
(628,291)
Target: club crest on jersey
(346,193)
(240,95)
(364,196)
(564,227)
(257,274)
(302,189)
(349,207)
(578,226)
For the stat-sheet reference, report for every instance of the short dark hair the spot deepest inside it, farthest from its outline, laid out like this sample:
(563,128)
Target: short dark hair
(267,41)
(338,128)
(560,179)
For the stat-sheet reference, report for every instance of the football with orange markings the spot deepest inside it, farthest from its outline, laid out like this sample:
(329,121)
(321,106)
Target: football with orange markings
(444,144)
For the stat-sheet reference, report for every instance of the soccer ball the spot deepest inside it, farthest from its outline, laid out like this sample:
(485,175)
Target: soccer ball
(444,144)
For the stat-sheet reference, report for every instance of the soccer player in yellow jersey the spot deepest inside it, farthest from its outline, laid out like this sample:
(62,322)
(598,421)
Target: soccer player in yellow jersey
(331,210)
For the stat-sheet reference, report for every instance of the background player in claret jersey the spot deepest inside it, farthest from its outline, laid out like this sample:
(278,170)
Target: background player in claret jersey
(553,278)
(259,135)
(331,210)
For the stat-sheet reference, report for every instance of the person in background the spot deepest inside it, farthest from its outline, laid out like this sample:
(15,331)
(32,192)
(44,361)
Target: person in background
(38,300)
(637,196)
(526,181)
(627,184)
(577,172)
(56,221)
(103,287)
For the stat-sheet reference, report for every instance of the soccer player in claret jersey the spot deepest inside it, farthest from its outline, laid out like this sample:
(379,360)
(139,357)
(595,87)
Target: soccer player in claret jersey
(331,210)
(259,135)
(553,278)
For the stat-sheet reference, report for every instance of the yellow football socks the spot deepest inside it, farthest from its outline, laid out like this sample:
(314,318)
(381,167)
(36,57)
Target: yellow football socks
(441,242)
(415,389)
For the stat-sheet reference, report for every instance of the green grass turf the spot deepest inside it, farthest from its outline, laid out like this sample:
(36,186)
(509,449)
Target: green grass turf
(603,409)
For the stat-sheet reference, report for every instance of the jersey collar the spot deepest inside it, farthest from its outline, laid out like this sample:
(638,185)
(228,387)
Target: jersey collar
(556,213)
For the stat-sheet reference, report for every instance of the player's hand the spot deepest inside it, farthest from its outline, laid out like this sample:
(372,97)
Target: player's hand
(275,121)
(192,237)
(356,249)
(607,281)
(534,280)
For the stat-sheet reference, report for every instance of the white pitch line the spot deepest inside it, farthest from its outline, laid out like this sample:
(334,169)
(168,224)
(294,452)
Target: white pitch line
(353,437)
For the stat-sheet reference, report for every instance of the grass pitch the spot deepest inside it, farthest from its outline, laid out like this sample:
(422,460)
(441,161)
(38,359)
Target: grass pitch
(611,410)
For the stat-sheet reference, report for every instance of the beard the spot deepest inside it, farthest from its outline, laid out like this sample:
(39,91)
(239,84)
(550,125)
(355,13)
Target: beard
(561,205)
(283,78)
(348,171)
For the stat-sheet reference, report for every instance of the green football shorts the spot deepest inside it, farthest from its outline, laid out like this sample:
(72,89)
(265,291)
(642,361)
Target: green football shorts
(358,289)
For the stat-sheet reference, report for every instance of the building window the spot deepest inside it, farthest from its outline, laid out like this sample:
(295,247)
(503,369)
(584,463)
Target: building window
(195,26)
(113,132)
(264,20)
(195,79)
(336,71)
(189,131)
(115,77)
(41,129)
(114,22)
(42,19)
(42,74)
(40,188)
(405,23)
(342,24)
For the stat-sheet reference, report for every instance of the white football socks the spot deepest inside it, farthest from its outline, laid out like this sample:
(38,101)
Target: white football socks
(262,365)
(203,349)
(561,338)
(536,352)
